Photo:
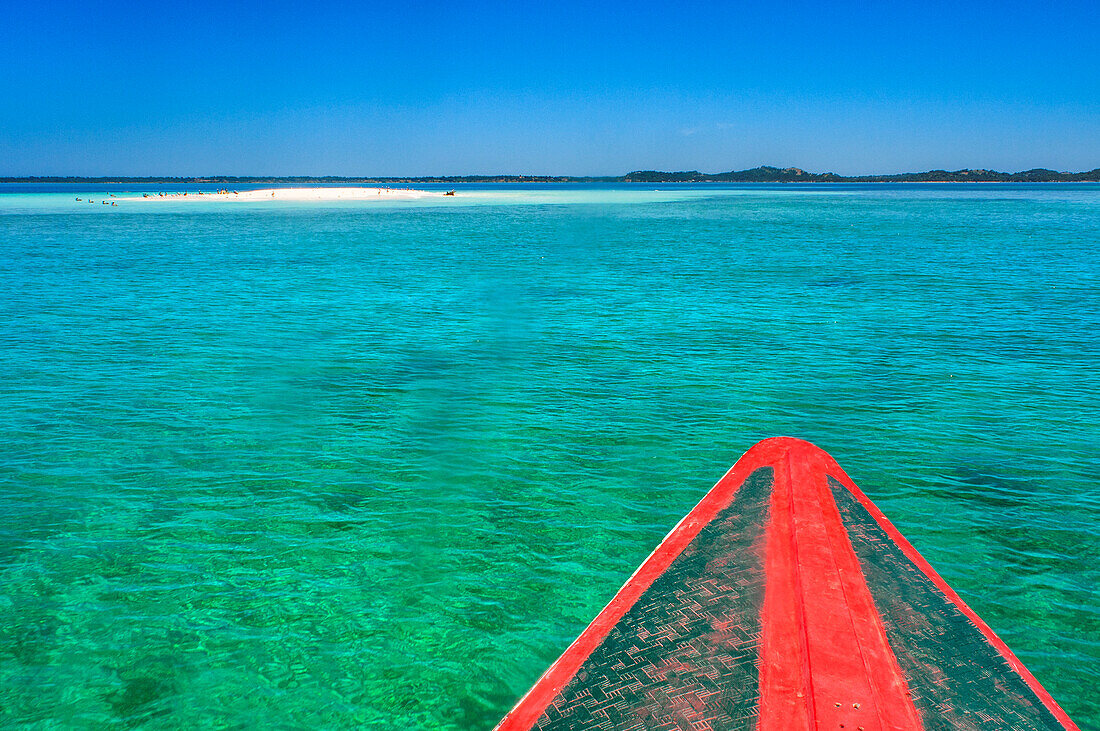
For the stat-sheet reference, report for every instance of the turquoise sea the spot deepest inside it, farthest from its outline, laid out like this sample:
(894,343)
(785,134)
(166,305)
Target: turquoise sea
(339,465)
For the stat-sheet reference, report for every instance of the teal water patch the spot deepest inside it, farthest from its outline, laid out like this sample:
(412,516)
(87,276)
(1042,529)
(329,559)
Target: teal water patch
(339,465)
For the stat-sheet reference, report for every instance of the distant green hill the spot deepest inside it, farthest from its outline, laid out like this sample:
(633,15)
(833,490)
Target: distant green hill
(767,174)
(763,174)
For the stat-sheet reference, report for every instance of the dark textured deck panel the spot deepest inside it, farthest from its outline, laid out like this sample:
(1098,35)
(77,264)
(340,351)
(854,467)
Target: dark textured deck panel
(685,656)
(957,678)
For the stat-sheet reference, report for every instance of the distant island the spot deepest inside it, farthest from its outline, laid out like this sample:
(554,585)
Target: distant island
(763,174)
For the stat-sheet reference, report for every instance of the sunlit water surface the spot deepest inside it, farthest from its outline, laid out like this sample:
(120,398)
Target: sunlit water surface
(356,464)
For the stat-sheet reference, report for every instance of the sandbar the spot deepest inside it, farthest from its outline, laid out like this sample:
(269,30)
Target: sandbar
(294,194)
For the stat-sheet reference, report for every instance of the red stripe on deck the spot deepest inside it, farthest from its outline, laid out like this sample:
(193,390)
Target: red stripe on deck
(825,660)
(785,687)
(532,705)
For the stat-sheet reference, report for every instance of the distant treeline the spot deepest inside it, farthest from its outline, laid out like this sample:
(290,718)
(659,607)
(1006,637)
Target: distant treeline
(766,174)
(763,174)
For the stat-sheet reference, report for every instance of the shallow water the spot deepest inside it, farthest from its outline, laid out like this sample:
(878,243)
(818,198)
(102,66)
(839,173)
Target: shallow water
(336,465)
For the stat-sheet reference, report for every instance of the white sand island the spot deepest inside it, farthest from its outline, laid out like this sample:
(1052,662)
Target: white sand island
(295,194)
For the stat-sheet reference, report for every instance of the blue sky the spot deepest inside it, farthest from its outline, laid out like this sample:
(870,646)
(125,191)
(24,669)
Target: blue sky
(417,88)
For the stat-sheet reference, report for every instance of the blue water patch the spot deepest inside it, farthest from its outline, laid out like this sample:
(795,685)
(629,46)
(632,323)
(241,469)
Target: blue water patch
(346,464)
